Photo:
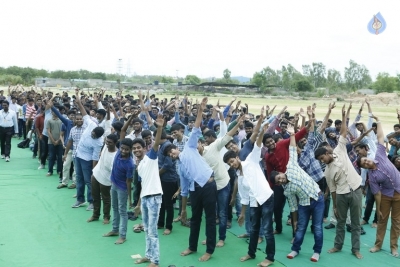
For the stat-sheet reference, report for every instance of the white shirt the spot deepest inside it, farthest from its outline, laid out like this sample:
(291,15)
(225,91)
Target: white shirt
(102,171)
(9,119)
(213,158)
(13,107)
(254,187)
(148,171)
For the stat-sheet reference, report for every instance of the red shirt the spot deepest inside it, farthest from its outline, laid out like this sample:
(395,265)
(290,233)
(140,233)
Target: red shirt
(39,124)
(277,160)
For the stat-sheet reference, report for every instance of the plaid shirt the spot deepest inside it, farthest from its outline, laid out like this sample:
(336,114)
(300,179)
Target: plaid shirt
(75,136)
(180,145)
(307,159)
(300,186)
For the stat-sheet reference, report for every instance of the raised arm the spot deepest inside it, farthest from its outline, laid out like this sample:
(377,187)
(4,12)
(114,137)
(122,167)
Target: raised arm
(325,122)
(379,131)
(160,123)
(343,129)
(200,109)
(233,131)
(260,136)
(125,127)
(79,103)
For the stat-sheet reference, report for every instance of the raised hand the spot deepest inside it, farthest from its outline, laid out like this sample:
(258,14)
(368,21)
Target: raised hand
(290,129)
(344,110)
(302,113)
(282,111)
(160,120)
(374,117)
(361,108)
(309,111)
(332,105)
(203,103)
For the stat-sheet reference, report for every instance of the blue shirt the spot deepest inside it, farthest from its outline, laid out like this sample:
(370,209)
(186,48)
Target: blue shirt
(246,150)
(67,124)
(121,171)
(193,167)
(166,163)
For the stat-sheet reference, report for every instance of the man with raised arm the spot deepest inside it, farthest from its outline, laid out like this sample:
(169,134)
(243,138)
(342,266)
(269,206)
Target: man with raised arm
(197,177)
(384,180)
(345,186)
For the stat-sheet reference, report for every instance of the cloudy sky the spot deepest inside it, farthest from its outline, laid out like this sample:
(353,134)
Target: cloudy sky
(197,37)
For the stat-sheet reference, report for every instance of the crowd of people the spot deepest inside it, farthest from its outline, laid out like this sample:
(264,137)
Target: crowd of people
(149,154)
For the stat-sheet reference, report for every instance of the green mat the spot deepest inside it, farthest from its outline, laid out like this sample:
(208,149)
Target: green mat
(39,228)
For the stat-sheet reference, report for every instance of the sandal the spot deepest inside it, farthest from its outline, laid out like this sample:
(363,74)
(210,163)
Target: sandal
(229,225)
(138,228)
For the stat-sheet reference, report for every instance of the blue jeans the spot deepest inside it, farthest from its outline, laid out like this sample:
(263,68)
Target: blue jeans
(55,152)
(247,224)
(257,214)
(223,198)
(150,207)
(119,200)
(83,170)
(316,210)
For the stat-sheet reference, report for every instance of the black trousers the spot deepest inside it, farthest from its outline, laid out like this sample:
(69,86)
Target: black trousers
(279,205)
(6,134)
(232,178)
(369,206)
(203,198)
(44,149)
(22,128)
(167,205)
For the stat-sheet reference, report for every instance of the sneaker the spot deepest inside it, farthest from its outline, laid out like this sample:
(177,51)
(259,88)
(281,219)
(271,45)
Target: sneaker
(72,186)
(3,156)
(41,166)
(61,186)
(7,159)
(78,204)
(90,207)
(330,226)
(49,174)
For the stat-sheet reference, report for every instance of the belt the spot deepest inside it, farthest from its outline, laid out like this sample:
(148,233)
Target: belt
(155,195)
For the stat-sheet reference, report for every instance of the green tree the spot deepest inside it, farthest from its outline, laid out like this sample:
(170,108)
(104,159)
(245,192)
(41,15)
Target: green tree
(334,79)
(385,83)
(227,75)
(356,76)
(303,85)
(192,79)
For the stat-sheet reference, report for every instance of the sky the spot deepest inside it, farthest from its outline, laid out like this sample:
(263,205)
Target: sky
(203,38)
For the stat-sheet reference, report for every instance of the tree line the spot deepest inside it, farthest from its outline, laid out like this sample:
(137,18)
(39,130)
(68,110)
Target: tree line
(316,75)
(312,76)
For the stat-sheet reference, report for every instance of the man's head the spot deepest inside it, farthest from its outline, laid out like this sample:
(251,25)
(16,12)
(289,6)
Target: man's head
(71,115)
(231,145)
(139,147)
(154,110)
(117,126)
(302,143)
(396,127)
(360,126)
(231,158)
(283,127)
(278,178)
(31,102)
(329,123)
(147,137)
(100,114)
(396,161)
(361,150)
(5,105)
(97,132)
(171,151)
(394,142)
(338,125)
(125,147)
(78,120)
(248,127)
(366,163)
(191,121)
(323,155)
(163,134)
(210,136)
(137,124)
(269,142)
(111,141)
(200,145)
(13,99)
(177,131)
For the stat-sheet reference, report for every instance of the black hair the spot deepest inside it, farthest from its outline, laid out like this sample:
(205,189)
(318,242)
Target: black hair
(230,142)
(146,133)
(272,177)
(229,155)
(101,112)
(276,137)
(319,152)
(191,118)
(113,138)
(135,120)
(361,146)
(176,127)
(323,144)
(210,133)
(98,132)
(394,158)
(396,125)
(71,112)
(117,125)
(163,134)
(337,122)
(330,120)
(5,102)
(139,141)
(127,142)
(374,125)
(248,124)
(358,161)
(266,136)
(168,149)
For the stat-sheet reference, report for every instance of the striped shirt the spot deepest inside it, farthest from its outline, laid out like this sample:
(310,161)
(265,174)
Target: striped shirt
(307,159)
(75,135)
(300,186)
(30,110)
(385,178)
